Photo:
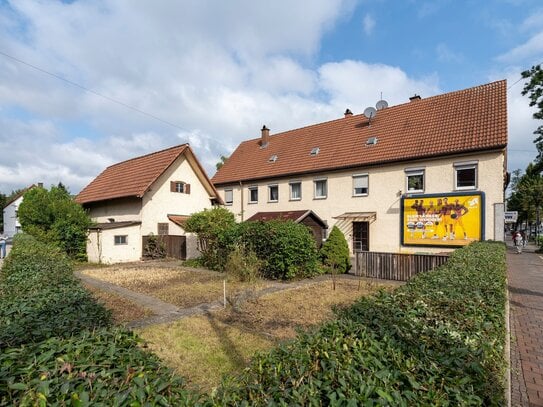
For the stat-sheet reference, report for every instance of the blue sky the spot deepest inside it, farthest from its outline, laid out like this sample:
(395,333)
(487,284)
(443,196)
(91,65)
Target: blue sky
(217,71)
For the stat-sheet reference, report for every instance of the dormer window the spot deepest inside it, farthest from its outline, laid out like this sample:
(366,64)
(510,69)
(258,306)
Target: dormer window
(314,151)
(273,158)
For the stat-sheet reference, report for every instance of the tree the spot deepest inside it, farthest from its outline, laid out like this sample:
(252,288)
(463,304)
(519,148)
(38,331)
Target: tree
(52,216)
(534,89)
(335,254)
(221,162)
(3,201)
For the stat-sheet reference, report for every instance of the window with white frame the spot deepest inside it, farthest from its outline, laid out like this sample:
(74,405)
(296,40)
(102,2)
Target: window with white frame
(295,190)
(414,179)
(465,175)
(360,185)
(228,197)
(253,194)
(273,193)
(121,239)
(321,188)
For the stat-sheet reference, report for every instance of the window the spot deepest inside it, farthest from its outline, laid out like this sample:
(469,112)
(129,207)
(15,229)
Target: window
(253,194)
(314,151)
(273,193)
(321,188)
(465,175)
(180,187)
(295,190)
(360,185)
(414,180)
(121,239)
(163,229)
(273,158)
(228,197)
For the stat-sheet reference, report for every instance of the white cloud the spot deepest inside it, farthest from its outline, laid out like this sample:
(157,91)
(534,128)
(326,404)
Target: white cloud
(530,50)
(445,54)
(368,23)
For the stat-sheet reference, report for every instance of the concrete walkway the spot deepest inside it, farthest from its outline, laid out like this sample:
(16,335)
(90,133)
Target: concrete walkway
(525,283)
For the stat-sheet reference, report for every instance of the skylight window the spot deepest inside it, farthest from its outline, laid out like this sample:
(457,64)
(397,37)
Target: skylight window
(314,151)
(273,158)
(371,141)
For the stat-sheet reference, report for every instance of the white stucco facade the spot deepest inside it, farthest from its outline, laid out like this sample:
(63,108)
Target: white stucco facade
(158,202)
(11,221)
(386,185)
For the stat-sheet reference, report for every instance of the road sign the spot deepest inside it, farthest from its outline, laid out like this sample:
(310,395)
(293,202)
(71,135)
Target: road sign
(511,216)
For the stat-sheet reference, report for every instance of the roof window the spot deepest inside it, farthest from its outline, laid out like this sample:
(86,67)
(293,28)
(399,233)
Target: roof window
(371,141)
(273,158)
(314,151)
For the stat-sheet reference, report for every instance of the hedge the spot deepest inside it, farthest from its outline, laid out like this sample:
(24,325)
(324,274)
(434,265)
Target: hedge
(41,298)
(438,340)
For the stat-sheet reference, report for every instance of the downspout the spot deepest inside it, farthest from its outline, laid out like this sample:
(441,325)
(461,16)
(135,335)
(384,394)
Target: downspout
(241,200)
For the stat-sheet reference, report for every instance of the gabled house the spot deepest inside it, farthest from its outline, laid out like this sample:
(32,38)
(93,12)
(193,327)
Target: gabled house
(143,196)
(12,226)
(423,176)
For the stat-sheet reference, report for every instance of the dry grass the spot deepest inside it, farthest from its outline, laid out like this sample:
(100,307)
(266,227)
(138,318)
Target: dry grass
(123,310)
(175,285)
(203,349)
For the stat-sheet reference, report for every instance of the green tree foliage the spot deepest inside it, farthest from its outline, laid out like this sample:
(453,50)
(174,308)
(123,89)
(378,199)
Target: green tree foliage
(527,195)
(53,217)
(213,227)
(221,162)
(334,254)
(534,89)
(3,201)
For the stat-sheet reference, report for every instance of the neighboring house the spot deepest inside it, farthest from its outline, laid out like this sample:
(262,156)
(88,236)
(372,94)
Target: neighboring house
(148,195)
(11,219)
(305,217)
(418,177)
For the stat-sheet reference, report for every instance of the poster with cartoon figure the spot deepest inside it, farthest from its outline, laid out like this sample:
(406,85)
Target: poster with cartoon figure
(442,219)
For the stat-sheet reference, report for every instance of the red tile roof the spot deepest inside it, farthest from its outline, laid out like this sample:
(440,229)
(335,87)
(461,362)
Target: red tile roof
(473,119)
(130,178)
(18,195)
(179,219)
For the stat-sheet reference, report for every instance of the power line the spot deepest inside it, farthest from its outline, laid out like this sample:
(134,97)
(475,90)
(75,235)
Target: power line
(37,68)
(521,77)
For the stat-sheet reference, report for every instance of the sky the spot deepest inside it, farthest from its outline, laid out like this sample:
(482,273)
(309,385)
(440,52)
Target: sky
(88,83)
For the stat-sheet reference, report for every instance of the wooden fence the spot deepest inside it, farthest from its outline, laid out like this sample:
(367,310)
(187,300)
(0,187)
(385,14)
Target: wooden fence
(395,266)
(176,246)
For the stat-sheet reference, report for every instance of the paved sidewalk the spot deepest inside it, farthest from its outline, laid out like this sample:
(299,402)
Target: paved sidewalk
(525,279)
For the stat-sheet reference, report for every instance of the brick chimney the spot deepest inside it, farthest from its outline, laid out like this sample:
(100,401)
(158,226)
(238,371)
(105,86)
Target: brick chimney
(40,184)
(414,98)
(348,113)
(265,139)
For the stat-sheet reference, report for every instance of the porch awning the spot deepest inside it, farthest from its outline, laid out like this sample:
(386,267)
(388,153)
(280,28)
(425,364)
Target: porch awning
(357,216)
(179,219)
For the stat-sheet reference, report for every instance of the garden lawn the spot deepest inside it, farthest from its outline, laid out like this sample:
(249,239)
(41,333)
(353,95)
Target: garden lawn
(204,348)
(175,285)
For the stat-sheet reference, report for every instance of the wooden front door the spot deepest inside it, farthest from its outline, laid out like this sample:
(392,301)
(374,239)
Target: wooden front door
(361,236)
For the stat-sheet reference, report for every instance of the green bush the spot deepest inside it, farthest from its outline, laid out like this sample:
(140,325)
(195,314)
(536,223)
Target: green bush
(242,264)
(154,248)
(286,249)
(334,252)
(439,340)
(41,298)
(107,367)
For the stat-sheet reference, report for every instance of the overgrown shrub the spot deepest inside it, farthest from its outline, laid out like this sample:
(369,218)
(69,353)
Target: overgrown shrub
(334,253)
(439,340)
(154,248)
(242,264)
(106,367)
(286,249)
(41,298)
(213,228)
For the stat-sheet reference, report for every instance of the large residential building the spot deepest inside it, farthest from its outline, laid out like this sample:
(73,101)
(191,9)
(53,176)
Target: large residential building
(424,176)
(12,226)
(149,195)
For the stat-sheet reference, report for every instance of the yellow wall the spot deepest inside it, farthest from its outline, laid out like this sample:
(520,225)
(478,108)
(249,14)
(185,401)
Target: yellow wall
(385,184)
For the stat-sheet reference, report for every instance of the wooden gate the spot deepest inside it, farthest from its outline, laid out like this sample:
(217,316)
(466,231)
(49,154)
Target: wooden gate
(176,246)
(395,266)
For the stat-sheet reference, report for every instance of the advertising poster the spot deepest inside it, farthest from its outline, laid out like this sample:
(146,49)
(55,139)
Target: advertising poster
(442,220)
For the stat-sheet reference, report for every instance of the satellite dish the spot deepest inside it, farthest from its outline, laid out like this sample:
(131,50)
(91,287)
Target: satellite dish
(382,104)
(370,112)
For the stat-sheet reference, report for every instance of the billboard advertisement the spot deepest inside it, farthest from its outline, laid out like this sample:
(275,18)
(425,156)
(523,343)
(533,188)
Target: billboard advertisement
(449,219)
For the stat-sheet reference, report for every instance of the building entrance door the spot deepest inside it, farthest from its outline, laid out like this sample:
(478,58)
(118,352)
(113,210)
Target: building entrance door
(361,236)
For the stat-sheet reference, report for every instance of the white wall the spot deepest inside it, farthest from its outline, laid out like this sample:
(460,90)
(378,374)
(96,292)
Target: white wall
(11,222)
(385,182)
(101,247)
(123,209)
